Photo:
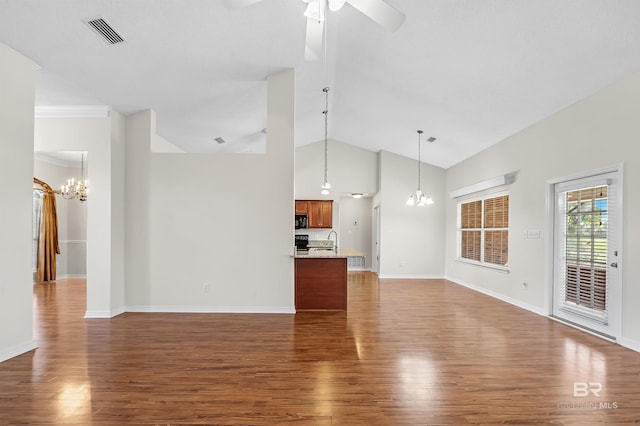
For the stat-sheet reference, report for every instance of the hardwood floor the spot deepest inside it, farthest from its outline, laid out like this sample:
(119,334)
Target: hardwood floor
(424,352)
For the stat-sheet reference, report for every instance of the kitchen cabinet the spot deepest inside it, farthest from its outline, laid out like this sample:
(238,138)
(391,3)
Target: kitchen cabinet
(302,207)
(320,214)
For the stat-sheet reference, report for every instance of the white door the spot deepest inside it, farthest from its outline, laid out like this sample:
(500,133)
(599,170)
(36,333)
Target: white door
(375,261)
(587,231)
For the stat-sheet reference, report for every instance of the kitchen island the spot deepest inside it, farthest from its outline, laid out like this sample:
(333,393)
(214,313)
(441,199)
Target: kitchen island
(321,279)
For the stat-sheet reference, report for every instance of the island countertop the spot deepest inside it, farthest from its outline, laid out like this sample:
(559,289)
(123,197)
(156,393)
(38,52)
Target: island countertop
(329,254)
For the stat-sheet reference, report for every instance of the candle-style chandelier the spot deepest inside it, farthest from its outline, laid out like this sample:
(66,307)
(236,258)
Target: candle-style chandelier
(76,189)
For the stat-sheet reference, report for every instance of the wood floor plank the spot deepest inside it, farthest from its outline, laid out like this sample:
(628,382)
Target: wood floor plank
(425,352)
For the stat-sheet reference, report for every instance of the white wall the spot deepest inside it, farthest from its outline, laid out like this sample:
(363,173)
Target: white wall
(17,76)
(160,144)
(117,213)
(350,169)
(225,220)
(411,238)
(597,132)
(139,129)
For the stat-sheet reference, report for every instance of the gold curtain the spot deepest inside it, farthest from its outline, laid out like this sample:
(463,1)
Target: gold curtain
(48,246)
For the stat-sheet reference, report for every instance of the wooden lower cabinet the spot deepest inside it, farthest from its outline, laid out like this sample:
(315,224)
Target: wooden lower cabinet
(321,283)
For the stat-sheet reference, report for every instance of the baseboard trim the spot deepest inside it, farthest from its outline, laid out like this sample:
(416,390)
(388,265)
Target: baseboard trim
(64,277)
(212,309)
(16,350)
(103,314)
(629,344)
(410,277)
(583,328)
(496,295)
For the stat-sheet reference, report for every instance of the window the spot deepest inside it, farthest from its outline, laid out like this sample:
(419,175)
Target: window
(585,247)
(483,231)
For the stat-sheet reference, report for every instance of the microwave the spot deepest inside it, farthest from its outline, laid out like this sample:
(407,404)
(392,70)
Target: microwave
(302,221)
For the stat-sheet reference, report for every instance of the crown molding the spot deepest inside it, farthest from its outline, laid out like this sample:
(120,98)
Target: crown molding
(72,111)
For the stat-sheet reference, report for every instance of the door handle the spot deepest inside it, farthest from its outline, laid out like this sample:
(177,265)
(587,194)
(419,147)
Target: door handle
(614,264)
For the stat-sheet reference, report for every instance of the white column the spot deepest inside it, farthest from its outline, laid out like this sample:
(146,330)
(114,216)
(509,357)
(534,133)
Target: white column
(17,77)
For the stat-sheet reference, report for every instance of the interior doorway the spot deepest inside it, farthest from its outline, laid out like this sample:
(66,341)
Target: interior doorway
(56,168)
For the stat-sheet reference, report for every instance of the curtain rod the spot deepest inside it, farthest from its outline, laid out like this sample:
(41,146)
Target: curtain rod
(45,187)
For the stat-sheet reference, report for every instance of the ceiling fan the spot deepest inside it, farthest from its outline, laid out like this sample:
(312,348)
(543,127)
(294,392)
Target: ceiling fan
(378,11)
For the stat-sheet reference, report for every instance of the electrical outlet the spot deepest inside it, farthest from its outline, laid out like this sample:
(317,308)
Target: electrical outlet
(205,287)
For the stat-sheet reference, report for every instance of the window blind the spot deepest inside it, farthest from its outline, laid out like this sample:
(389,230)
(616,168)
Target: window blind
(484,230)
(585,248)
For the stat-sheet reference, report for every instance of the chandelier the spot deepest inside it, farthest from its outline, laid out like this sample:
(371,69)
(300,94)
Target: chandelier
(76,189)
(419,198)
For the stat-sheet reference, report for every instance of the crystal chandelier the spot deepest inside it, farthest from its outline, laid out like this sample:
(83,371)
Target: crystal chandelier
(419,198)
(76,189)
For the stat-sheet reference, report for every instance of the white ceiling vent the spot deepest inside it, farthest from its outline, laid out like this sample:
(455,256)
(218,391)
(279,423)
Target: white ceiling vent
(104,30)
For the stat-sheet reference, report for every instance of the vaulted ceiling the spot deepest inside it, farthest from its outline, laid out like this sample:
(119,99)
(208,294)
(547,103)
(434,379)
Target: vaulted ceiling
(468,72)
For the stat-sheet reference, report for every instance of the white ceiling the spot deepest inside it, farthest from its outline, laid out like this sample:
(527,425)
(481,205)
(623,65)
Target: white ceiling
(469,72)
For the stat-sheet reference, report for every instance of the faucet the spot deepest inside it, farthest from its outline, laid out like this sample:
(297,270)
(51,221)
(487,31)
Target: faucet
(335,247)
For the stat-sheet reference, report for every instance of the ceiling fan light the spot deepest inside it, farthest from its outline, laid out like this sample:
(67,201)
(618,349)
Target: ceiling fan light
(314,11)
(335,5)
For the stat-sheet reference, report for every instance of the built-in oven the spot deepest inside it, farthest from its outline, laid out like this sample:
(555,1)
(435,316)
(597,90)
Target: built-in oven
(302,242)
(302,221)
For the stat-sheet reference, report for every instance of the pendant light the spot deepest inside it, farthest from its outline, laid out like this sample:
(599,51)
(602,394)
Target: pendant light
(418,197)
(326,186)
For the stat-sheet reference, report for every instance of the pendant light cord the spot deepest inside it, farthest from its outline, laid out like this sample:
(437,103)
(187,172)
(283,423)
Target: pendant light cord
(324,39)
(325,185)
(419,156)
(326,129)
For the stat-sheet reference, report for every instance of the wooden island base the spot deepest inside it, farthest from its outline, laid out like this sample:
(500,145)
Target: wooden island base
(321,283)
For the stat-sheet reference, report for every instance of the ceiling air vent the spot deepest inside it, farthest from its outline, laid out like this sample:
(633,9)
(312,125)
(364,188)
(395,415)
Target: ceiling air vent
(104,30)
(220,140)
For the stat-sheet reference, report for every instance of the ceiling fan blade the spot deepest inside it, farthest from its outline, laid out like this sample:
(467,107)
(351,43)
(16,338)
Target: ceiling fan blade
(238,4)
(313,44)
(381,12)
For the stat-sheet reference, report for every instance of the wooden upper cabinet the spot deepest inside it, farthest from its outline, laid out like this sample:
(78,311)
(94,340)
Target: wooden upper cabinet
(320,214)
(302,207)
